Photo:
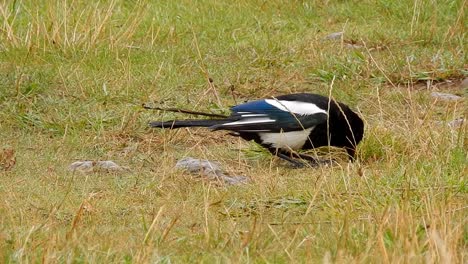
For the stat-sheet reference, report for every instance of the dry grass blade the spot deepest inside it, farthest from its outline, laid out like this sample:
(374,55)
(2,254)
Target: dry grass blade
(150,229)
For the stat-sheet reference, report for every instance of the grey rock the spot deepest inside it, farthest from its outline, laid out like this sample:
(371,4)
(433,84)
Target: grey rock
(193,165)
(209,169)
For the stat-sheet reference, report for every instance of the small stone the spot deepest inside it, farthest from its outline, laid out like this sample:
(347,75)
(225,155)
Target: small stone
(334,36)
(88,166)
(109,165)
(446,96)
(82,166)
(235,180)
(353,46)
(464,84)
(129,149)
(456,123)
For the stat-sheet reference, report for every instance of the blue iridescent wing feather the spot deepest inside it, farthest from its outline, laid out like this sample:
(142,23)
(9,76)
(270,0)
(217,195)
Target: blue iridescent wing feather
(260,116)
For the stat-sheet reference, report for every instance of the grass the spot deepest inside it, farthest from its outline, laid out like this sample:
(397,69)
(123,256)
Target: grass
(73,76)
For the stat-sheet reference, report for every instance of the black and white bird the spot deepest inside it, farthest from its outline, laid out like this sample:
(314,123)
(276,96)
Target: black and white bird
(287,123)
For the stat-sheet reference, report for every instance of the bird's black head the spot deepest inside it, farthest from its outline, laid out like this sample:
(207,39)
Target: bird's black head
(354,127)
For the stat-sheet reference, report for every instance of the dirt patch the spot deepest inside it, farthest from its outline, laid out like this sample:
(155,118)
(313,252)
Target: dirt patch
(7,159)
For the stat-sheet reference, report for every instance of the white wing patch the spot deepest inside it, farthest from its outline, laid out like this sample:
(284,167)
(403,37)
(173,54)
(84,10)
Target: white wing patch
(286,140)
(249,121)
(252,115)
(296,107)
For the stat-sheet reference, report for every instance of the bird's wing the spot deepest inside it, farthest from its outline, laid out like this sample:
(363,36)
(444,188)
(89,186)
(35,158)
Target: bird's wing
(272,115)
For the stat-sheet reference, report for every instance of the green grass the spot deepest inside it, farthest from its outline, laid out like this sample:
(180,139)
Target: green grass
(73,76)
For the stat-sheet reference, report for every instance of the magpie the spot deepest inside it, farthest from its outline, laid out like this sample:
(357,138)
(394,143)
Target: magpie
(287,123)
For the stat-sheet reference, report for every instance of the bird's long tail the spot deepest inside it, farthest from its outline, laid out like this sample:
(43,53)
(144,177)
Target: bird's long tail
(188,123)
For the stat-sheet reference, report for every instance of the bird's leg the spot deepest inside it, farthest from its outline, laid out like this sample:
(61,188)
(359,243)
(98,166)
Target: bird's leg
(313,161)
(289,156)
(294,163)
(284,155)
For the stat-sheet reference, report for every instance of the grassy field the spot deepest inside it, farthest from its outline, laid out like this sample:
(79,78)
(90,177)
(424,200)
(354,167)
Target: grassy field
(73,77)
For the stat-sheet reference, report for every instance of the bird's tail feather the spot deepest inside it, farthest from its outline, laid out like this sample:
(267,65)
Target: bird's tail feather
(187,123)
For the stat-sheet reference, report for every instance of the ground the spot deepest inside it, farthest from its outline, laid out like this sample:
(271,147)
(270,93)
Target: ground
(74,76)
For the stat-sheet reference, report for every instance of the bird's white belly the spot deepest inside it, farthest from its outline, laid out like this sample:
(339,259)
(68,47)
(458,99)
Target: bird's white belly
(286,140)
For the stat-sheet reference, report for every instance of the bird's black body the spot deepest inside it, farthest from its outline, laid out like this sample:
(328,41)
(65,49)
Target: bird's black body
(287,123)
